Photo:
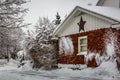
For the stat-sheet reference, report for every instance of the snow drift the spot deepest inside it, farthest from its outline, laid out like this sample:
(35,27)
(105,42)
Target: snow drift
(106,69)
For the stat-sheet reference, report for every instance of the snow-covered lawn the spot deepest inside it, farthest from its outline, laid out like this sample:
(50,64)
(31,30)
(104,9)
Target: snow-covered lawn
(60,74)
(6,66)
(10,71)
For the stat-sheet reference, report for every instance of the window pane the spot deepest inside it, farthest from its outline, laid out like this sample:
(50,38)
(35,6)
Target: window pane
(83,41)
(83,48)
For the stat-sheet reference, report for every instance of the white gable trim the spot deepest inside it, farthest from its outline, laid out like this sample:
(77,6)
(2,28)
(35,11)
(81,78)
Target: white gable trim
(77,8)
(65,21)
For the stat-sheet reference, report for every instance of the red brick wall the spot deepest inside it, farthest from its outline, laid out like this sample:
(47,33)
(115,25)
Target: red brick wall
(96,44)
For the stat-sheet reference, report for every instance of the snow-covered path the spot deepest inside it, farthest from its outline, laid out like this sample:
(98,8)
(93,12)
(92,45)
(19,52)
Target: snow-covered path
(10,71)
(32,75)
(42,75)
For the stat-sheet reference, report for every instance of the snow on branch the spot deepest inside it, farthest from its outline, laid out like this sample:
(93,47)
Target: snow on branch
(66,46)
(111,38)
(95,56)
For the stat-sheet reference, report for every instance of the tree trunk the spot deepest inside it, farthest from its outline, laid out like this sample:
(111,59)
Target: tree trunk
(8,54)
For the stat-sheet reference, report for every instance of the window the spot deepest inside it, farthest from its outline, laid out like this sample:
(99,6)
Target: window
(82,44)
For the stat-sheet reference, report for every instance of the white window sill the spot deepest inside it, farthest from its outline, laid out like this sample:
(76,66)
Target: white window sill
(82,53)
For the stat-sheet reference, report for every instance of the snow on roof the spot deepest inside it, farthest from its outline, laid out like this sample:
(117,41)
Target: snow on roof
(107,12)
(88,2)
(110,12)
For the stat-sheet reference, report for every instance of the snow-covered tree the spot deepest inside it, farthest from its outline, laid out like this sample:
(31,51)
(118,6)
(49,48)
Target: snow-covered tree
(11,19)
(16,37)
(42,50)
(44,30)
(11,13)
(58,20)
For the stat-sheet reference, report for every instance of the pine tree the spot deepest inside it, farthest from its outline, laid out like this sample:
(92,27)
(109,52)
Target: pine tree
(58,20)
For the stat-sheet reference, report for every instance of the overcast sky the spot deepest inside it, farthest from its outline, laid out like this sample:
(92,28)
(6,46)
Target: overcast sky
(49,8)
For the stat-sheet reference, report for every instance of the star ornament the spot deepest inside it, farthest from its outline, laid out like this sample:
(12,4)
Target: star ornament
(81,24)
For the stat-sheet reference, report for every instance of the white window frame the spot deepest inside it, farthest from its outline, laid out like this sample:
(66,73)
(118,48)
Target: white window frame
(80,52)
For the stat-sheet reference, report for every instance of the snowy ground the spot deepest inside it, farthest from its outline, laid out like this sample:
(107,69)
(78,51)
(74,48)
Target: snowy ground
(10,71)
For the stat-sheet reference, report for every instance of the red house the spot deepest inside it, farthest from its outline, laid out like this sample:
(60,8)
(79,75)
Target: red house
(89,32)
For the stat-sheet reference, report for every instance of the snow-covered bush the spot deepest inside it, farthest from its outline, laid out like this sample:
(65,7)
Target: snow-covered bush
(20,55)
(112,52)
(96,56)
(43,57)
(42,49)
(112,45)
(27,65)
(111,39)
(107,68)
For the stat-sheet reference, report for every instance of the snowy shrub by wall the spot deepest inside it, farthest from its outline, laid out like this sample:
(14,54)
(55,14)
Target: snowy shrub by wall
(44,56)
(107,68)
(112,45)
(95,56)
(112,48)
(110,42)
(42,49)
(66,46)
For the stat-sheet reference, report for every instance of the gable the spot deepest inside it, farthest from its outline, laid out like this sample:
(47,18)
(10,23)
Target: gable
(95,17)
(92,23)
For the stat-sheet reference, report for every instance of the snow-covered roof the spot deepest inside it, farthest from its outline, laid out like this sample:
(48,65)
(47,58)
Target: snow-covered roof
(88,2)
(106,12)
(110,12)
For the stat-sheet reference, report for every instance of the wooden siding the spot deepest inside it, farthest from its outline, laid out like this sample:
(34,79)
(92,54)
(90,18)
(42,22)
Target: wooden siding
(112,3)
(96,44)
(92,23)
